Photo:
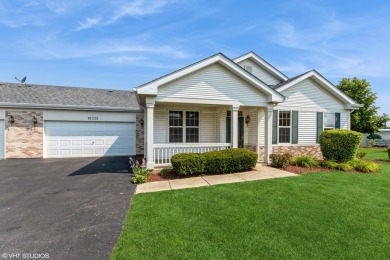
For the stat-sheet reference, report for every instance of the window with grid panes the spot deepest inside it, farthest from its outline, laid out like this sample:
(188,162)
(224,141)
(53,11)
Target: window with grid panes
(284,126)
(183,127)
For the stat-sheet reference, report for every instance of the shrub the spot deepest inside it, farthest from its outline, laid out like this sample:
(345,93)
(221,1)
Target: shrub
(304,161)
(344,167)
(364,166)
(339,145)
(188,163)
(165,171)
(224,161)
(388,152)
(361,155)
(138,179)
(139,171)
(280,160)
(329,164)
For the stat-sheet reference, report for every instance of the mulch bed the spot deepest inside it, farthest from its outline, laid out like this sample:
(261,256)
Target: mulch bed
(302,170)
(156,176)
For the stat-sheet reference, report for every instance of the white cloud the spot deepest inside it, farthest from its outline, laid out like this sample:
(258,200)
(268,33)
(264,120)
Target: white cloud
(50,48)
(88,23)
(139,8)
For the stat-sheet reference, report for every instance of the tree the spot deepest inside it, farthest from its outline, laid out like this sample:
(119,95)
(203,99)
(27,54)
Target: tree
(365,119)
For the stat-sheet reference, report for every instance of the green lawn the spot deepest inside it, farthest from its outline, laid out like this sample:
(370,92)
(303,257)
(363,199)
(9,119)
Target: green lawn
(315,216)
(375,153)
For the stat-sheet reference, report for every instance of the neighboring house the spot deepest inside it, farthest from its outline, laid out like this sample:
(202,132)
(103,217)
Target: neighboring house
(385,141)
(213,104)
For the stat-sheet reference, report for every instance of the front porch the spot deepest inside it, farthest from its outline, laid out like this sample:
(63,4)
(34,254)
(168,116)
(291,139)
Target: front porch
(197,128)
(211,104)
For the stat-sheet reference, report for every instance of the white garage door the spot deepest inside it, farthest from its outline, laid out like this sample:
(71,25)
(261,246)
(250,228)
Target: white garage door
(1,139)
(89,139)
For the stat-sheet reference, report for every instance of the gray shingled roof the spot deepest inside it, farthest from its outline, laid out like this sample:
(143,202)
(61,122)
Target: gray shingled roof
(281,84)
(67,96)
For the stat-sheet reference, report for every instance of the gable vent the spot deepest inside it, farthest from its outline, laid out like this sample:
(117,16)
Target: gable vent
(248,68)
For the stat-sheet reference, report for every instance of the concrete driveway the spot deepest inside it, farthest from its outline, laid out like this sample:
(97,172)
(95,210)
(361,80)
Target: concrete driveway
(66,208)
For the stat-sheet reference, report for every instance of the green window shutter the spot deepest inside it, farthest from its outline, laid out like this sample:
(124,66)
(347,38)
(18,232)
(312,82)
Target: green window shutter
(320,125)
(228,129)
(294,129)
(275,127)
(337,118)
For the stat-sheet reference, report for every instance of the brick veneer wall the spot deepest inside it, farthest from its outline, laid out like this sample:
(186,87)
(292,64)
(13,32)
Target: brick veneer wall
(23,139)
(139,136)
(310,150)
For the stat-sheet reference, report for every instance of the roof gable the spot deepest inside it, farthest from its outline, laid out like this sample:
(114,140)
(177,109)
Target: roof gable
(321,81)
(263,64)
(151,88)
(212,85)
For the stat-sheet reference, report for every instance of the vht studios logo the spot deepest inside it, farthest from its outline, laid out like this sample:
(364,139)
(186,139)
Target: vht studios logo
(25,255)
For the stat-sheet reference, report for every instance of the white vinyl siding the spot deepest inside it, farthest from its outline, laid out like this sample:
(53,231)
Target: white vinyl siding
(209,124)
(307,127)
(160,126)
(261,73)
(343,120)
(89,139)
(310,96)
(250,130)
(1,139)
(213,83)
(262,128)
(208,127)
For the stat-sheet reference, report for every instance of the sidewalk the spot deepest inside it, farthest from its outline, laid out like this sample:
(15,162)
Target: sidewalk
(260,172)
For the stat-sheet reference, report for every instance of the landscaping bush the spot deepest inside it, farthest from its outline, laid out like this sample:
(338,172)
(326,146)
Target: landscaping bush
(304,161)
(138,179)
(364,166)
(339,145)
(280,160)
(139,172)
(344,167)
(329,164)
(165,171)
(224,161)
(388,152)
(188,163)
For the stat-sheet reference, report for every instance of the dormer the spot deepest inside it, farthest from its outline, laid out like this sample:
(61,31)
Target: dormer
(261,69)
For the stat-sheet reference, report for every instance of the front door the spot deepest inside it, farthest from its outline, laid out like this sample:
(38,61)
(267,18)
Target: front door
(240,132)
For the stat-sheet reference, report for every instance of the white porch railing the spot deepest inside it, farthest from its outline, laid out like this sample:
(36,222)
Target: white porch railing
(163,152)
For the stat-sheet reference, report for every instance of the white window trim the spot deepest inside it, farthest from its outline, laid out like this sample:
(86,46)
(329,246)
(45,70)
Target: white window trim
(184,126)
(290,111)
(334,121)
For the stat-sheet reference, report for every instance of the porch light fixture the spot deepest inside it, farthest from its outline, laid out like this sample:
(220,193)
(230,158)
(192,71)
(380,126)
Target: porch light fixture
(141,122)
(11,119)
(247,119)
(34,120)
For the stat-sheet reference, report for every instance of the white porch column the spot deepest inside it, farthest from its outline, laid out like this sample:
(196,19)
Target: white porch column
(268,133)
(235,126)
(149,135)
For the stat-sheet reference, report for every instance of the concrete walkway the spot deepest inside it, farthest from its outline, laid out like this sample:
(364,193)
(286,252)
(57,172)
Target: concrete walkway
(260,172)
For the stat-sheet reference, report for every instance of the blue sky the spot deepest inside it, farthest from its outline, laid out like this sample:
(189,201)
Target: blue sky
(121,44)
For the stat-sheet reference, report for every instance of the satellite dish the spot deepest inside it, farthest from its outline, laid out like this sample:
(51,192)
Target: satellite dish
(22,80)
